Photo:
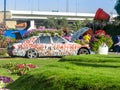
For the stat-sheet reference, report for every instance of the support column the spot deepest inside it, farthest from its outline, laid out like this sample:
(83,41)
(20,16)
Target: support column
(32,25)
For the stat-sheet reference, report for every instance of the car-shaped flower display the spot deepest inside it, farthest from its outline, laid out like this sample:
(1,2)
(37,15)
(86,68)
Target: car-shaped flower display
(46,45)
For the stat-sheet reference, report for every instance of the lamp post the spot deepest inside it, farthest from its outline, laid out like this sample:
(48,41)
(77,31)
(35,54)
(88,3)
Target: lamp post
(4,11)
(76,7)
(67,6)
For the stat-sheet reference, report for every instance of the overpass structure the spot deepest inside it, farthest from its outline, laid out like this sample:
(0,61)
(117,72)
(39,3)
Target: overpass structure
(13,17)
(45,14)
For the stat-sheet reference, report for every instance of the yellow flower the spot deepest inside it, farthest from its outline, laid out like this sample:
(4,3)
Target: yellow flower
(86,38)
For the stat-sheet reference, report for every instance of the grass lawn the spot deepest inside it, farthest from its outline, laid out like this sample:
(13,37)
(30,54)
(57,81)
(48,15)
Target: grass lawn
(83,72)
(40,62)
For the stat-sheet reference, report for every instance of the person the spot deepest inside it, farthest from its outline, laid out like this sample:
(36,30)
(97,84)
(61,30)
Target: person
(117,43)
(66,34)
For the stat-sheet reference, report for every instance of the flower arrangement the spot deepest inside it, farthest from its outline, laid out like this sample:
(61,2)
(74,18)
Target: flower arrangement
(4,41)
(82,42)
(19,69)
(99,39)
(3,27)
(4,80)
(67,38)
(36,32)
(23,68)
(84,39)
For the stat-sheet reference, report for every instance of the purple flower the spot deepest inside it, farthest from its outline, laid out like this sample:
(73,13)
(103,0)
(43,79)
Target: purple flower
(67,38)
(5,79)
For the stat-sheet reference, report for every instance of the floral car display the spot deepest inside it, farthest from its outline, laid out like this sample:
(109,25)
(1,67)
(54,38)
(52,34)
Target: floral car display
(46,45)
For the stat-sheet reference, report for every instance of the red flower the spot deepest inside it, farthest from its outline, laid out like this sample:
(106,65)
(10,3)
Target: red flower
(100,32)
(20,65)
(31,65)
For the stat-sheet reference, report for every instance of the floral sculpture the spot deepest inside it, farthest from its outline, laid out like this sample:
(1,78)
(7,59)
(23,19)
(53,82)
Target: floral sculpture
(99,38)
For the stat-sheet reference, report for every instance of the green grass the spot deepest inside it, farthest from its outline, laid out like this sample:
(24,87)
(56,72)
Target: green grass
(83,72)
(40,62)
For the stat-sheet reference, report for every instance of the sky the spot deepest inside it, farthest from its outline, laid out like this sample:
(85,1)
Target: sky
(80,6)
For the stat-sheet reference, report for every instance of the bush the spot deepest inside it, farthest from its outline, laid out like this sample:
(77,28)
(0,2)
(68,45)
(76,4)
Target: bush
(4,41)
(3,27)
(3,51)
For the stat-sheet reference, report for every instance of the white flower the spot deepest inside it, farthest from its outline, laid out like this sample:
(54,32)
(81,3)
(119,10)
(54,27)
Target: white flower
(2,84)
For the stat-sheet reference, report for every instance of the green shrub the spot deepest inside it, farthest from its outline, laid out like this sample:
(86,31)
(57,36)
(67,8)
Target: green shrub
(4,41)
(3,51)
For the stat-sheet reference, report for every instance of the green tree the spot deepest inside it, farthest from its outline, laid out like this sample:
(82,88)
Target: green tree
(76,25)
(55,22)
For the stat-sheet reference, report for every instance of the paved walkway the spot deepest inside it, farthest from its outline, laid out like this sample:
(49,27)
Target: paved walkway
(113,53)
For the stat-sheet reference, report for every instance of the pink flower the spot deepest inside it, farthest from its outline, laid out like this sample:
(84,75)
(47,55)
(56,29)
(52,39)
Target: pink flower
(67,38)
(20,65)
(31,65)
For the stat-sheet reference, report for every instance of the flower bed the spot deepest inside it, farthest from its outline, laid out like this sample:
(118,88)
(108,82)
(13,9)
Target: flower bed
(19,69)
(36,32)
(4,80)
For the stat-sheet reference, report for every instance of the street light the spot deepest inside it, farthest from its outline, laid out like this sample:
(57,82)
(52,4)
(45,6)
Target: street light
(4,11)
(67,6)
(76,7)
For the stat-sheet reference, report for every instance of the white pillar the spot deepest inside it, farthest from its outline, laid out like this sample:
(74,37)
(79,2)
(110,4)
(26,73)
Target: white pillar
(32,25)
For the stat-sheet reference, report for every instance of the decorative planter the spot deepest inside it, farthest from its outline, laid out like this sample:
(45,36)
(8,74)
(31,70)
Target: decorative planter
(101,15)
(103,49)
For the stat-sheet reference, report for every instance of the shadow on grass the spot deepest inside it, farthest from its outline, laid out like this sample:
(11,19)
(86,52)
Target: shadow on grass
(88,64)
(94,59)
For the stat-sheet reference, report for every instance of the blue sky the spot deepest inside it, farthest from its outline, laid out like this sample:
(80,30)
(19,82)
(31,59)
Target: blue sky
(60,5)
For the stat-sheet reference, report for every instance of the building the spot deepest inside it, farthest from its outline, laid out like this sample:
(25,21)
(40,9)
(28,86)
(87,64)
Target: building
(9,23)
